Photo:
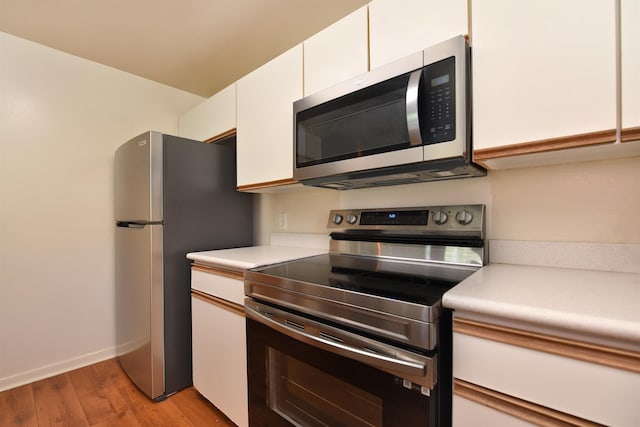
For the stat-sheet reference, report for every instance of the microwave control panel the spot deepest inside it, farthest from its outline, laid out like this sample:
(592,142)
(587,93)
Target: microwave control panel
(439,101)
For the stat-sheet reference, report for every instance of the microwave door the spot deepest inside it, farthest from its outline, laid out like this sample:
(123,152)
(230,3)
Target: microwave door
(375,127)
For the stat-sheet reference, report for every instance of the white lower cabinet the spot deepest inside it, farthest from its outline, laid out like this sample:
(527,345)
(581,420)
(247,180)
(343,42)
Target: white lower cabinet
(219,344)
(503,373)
(468,413)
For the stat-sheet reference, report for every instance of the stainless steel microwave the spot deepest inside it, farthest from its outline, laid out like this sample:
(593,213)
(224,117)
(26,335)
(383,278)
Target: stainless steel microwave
(409,121)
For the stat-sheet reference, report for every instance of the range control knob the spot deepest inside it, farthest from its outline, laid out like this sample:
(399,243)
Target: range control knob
(352,218)
(464,217)
(440,217)
(337,218)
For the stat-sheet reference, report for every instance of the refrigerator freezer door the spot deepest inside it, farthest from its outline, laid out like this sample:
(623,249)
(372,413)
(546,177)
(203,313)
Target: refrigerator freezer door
(138,179)
(139,302)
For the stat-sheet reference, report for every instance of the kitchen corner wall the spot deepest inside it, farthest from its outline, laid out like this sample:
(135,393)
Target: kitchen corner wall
(307,211)
(61,119)
(579,202)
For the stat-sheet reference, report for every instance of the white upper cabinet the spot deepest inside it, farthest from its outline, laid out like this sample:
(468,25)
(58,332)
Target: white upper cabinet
(337,53)
(543,70)
(213,117)
(630,68)
(264,139)
(398,28)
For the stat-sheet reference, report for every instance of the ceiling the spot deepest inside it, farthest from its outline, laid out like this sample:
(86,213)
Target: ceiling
(199,46)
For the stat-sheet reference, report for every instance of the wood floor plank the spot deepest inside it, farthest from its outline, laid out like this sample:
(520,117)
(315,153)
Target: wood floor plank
(199,410)
(57,403)
(114,371)
(98,396)
(17,407)
(122,419)
(101,395)
(152,414)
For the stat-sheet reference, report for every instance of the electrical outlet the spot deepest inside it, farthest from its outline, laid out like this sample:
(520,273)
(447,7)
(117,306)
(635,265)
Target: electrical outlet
(282,221)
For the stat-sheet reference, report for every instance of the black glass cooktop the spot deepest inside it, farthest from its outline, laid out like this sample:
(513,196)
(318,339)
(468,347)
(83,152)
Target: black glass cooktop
(418,283)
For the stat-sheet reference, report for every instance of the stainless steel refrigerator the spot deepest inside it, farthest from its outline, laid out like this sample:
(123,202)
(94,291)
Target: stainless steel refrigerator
(172,196)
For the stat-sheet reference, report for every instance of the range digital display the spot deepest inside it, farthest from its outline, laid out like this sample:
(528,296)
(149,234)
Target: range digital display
(418,217)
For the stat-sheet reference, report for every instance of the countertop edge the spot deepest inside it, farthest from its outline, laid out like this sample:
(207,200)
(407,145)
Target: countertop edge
(486,305)
(551,322)
(249,257)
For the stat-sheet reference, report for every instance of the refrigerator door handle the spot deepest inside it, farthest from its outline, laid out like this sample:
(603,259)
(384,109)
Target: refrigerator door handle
(136,224)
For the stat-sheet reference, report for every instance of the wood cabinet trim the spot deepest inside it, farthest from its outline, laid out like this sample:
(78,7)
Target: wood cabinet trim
(238,275)
(267,185)
(545,145)
(218,302)
(630,134)
(220,136)
(593,353)
(527,411)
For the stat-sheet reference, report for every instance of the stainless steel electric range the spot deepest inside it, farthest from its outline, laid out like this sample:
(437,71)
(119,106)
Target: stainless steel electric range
(358,336)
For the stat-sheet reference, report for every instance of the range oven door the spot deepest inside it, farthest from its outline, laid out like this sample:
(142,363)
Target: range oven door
(293,382)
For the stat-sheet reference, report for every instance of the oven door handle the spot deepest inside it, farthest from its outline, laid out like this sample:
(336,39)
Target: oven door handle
(386,363)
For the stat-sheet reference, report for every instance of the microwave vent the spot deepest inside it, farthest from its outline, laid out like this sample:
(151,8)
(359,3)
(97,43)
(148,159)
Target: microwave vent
(399,175)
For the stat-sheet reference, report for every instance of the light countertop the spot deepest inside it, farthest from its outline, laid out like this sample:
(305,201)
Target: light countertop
(252,256)
(598,303)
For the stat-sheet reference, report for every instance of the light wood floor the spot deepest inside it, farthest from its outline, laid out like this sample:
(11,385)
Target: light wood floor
(102,395)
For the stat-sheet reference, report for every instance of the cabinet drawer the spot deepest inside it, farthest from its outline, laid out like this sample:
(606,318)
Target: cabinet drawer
(587,390)
(227,288)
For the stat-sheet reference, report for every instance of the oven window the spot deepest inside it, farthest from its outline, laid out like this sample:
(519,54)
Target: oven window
(307,396)
(294,383)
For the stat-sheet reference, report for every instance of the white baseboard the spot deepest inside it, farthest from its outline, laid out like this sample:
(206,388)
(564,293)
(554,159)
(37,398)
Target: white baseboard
(27,377)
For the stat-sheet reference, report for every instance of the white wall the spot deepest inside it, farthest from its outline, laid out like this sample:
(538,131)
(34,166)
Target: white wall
(579,202)
(61,118)
(307,211)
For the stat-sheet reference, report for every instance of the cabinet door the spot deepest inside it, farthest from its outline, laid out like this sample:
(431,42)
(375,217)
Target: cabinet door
(214,117)
(220,358)
(630,68)
(548,380)
(468,413)
(265,120)
(543,70)
(398,28)
(337,53)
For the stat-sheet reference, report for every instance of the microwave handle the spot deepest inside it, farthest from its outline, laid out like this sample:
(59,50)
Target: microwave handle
(411,99)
